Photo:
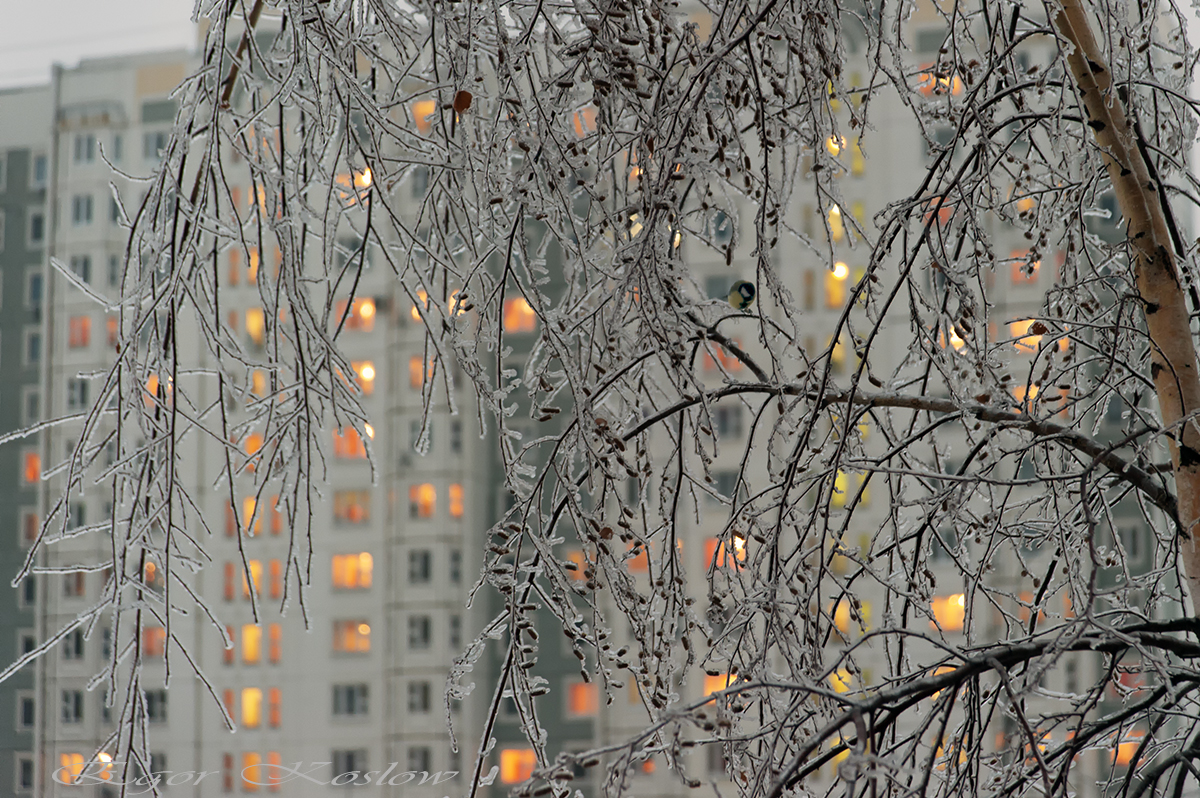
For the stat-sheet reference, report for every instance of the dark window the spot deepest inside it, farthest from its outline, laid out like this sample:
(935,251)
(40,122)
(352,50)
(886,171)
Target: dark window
(72,706)
(37,228)
(346,763)
(455,566)
(73,645)
(156,706)
(28,712)
(420,759)
(728,421)
(419,696)
(420,631)
(350,699)
(420,566)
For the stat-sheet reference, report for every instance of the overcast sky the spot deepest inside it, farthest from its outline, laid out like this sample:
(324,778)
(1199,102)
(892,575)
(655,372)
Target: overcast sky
(37,33)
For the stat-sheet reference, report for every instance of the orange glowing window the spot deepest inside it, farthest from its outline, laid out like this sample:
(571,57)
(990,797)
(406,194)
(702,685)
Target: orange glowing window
(843,617)
(422,500)
(576,557)
(949,612)
(715,683)
(79,331)
(227,699)
(235,255)
(640,562)
(715,354)
(422,111)
(276,516)
(256,575)
(348,444)
(362,314)
(1026,599)
(252,269)
(584,121)
(251,775)
(1023,270)
(276,570)
(1027,334)
(352,571)
(275,641)
(583,700)
(456,500)
(517,764)
(1124,751)
(31,468)
(419,372)
(256,325)
(251,707)
(154,641)
(275,774)
(70,768)
(932,84)
(365,370)
(251,643)
(230,580)
(519,316)
(422,304)
(716,552)
(352,506)
(274,707)
(113,328)
(228,654)
(351,637)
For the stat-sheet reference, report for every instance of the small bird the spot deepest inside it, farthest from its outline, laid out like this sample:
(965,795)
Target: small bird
(741,295)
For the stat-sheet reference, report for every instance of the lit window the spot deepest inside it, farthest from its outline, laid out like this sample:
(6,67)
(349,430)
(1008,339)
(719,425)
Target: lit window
(274,707)
(841,681)
(249,503)
(252,273)
(931,83)
(835,285)
(365,370)
(584,121)
(79,331)
(362,314)
(256,325)
(275,774)
(715,683)
(276,570)
(251,707)
(715,354)
(351,637)
(113,328)
(1126,750)
(1027,334)
(154,641)
(258,382)
(251,643)
(422,304)
(456,501)
(847,486)
(32,467)
(422,110)
(639,563)
(834,145)
(348,444)
(256,575)
(419,371)
(275,640)
(715,552)
(70,768)
(949,612)
(251,777)
(228,654)
(235,255)
(352,571)
(352,506)
(843,616)
(422,500)
(517,764)
(837,230)
(576,557)
(1024,271)
(583,700)
(518,316)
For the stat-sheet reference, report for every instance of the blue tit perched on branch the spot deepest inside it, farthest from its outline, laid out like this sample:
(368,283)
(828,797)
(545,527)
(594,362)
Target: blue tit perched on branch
(741,295)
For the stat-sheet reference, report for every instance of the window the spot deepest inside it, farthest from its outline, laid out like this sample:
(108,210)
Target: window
(251,771)
(118,148)
(1132,538)
(154,641)
(40,171)
(455,436)
(420,566)
(81,209)
(251,643)
(255,576)
(153,144)
(33,348)
(419,696)
(422,500)
(28,642)
(835,286)
(25,772)
(419,371)
(350,699)
(81,267)
(274,707)
(352,506)
(276,569)
(114,272)
(728,421)
(455,566)
(847,486)
(949,612)
(37,228)
(77,394)
(352,571)
(365,370)
(348,765)
(72,706)
(351,637)
(517,764)
(256,325)
(420,759)
(26,712)
(420,631)
(456,500)
(85,148)
(519,316)
(31,467)
(415,426)
(583,700)
(156,706)
(251,707)
(717,553)
(275,640)
(348,444)
(73,645)
(79,331)
(74,585)
(455,631)
(70,768)
(361,317)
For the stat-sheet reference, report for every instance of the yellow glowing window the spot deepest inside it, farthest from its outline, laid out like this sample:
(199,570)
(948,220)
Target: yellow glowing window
(352,506)
(256,575)
(717,683)
(258,382)
(351,637)
(251,707)
(956,340)
(365,370)
(835,144)
(422,500)
(518,316)
(251,775)
(715,552)
(422,110)
(1023,338)
(352,571)
(361,317)
(835,285)
(949,612)
(70,768)
(842,616)
(841,681)
(248,505)
(251,643)
(1126,750)
(419,371)
(847,486)
(456,500)
(931,83)
(256,325)
(858,164)
(583,700)
(837,230)
(348,444)
(422,304)
(517,764)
